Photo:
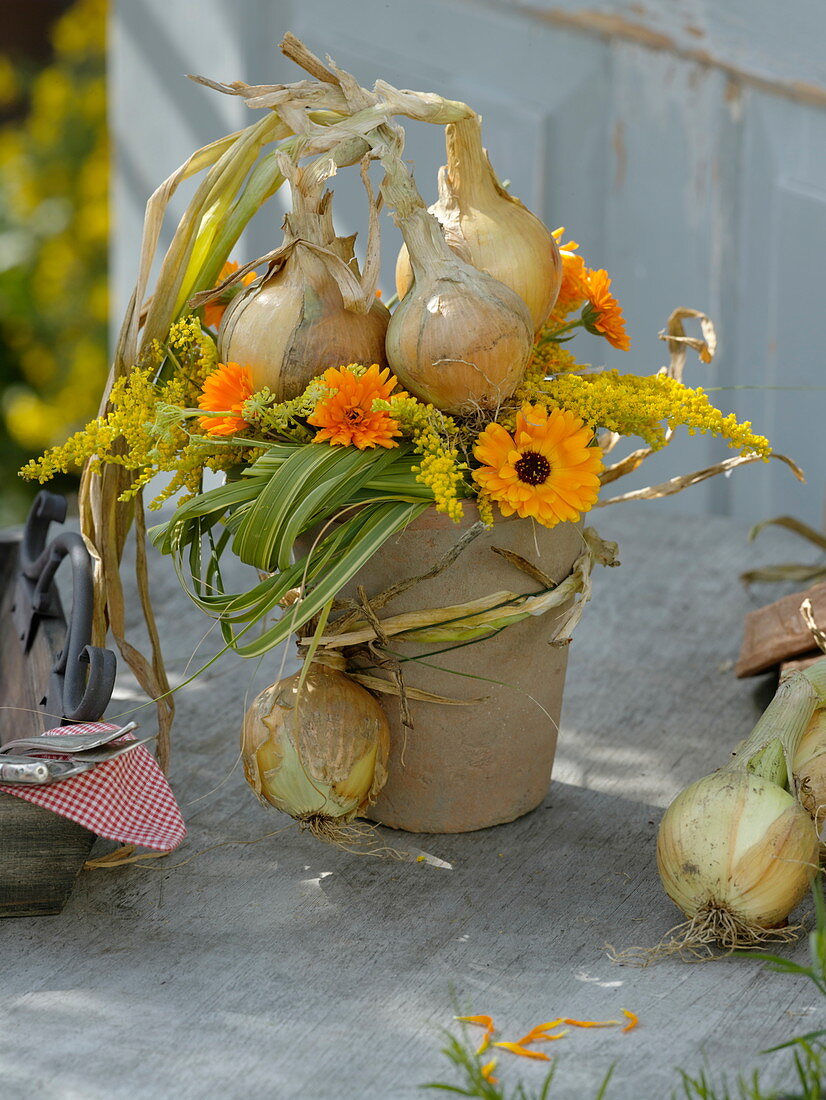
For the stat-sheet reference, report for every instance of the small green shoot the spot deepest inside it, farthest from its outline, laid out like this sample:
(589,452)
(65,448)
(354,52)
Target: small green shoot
(474,1084)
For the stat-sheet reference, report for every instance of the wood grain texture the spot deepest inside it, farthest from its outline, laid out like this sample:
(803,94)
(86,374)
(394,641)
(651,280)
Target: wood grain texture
(276,966)
(778,631)
(738,37)
(23,677)
(41,854)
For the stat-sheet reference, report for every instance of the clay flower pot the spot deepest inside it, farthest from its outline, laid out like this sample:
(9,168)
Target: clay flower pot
(469,767)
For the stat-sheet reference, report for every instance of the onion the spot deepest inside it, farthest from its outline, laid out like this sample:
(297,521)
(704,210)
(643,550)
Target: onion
(307,313)
(490,228)
(736,853)
(459,339)
(317,750)
(810,770)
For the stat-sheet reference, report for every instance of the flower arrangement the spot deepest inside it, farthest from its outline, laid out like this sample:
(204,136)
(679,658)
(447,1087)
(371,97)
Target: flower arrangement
(337,424)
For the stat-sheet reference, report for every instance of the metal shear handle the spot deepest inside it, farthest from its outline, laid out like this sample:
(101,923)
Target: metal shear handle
(83,676)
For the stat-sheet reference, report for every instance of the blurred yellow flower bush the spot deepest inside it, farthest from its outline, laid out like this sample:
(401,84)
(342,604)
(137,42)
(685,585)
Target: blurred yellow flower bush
(54,224)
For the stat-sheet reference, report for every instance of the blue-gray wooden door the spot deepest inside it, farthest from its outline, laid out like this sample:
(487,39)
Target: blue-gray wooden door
(683,144)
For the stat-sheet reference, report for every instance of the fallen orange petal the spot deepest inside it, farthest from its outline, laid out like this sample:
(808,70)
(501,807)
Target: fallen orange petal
(592,1023)
(483,1021)
(539,1036)
(633,1019)
(487,1071)
(550,1025)
(523,1052)
(483,1046)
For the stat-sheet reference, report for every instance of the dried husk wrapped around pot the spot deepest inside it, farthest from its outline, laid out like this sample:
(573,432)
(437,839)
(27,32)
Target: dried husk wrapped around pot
(309,311)
(490,228)
(316,749)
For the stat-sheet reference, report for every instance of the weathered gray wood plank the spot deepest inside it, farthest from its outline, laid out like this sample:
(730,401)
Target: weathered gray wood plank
(760,41)
(284,968)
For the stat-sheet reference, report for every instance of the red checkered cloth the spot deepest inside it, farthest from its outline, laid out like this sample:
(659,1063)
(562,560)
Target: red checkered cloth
(126,799)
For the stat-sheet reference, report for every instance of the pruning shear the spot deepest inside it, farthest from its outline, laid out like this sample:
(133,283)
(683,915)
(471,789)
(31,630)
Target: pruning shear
(21,761)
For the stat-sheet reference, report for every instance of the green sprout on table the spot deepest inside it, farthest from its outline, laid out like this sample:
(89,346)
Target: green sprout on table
(475,1084)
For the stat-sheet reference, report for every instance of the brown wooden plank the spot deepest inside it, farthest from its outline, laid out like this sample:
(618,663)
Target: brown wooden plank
(797,665)
(23,676)
(42,853)
(777,632)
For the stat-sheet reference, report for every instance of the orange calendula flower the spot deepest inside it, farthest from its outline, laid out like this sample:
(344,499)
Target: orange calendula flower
(603,315)
(347,418)
(224,391)
(546,469)
(214,310)
(573,290)
(487,1071)
(523,1052)
(632,1018)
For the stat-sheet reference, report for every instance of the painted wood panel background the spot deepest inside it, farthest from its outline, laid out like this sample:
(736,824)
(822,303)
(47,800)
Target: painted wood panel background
(681,143)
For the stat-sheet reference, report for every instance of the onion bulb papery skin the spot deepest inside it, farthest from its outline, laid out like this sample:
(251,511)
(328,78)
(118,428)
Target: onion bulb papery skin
(459,339)
(809,769)
(490,228)
(737,843)
(318,752)
(293,324)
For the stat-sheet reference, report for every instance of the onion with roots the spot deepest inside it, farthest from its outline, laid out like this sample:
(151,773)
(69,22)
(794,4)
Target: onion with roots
(317,750)
(736,851)
(736,854)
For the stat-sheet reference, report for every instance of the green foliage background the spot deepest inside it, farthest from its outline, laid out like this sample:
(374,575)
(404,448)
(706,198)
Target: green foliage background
(54,232)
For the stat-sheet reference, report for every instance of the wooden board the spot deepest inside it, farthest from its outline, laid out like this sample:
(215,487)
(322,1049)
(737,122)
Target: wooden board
(23,676)
(800,663)
(41,853)
(256,961)
(777,632)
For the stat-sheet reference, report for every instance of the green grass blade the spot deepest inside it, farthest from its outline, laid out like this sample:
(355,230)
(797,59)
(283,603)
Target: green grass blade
(255,540)
(384,521)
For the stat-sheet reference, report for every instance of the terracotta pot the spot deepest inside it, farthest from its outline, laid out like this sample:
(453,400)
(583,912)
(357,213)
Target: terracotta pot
(469,767)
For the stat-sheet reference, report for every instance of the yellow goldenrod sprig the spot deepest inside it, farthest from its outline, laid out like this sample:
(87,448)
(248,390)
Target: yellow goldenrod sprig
(434,437)
(643,406)
(145,430)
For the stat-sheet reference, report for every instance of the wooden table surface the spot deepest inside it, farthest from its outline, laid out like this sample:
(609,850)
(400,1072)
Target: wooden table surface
(249,964)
